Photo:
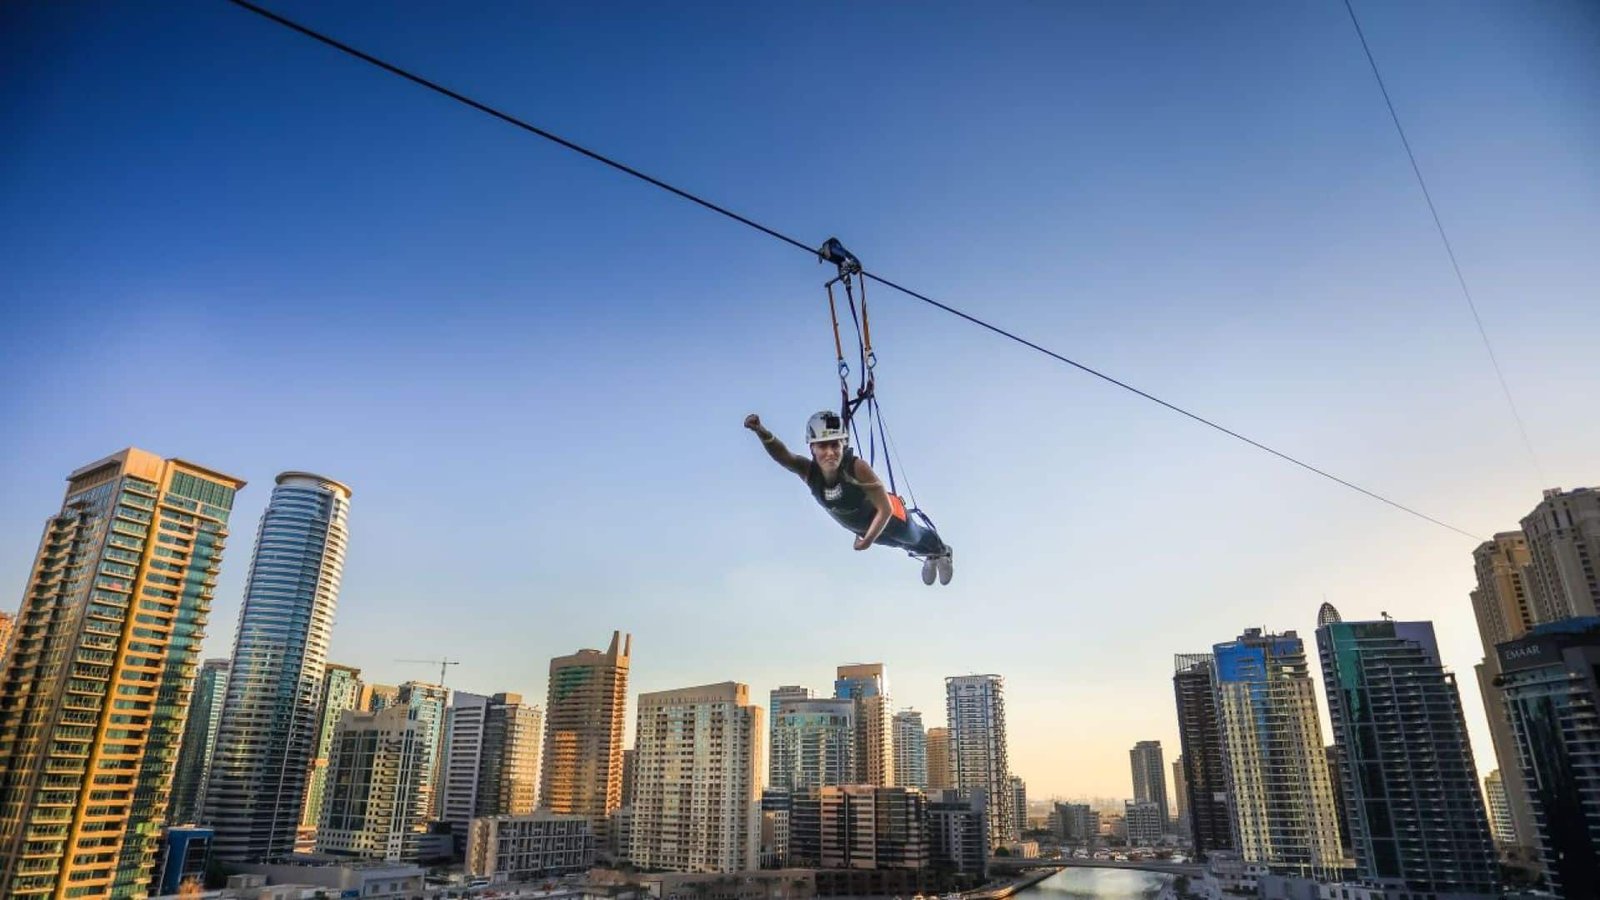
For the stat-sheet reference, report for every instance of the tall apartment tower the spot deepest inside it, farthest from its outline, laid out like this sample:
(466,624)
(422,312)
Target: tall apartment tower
(265,743)
(939,760)
(584,718)
(1563,534)
(491,758)
(910,750)
(341,691)
(428,704)
(976,707)
(1180,792)
(1150,778)
(868,685)
(1417,820)
(696,805)
(1552,698)
(463,761)
(373,807)
(1205,772)
(97,683)
(1019,803)
(199,739)
(814,744)
(1272,745)
(7,623)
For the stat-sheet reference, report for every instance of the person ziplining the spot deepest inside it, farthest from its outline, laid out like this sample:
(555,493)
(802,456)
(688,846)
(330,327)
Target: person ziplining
(841,482)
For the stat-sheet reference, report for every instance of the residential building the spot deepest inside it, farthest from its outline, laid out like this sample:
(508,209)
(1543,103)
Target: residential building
(97,683)
(1150,777)
(910,750)
(534,845)
(369,879)
(341,691)
(1341,800)
(7,623)
(868,685)
(378,697)
(630,771)
(581,773)
(814,744)
(776,815)
(1505,608)
(868,826)
(958,832)
(1553,701)
(1272,744)
(428,704)
(1019,804)
(697,797)
(1205,773)
(1417,820)
(463,762)
(374,807)
(1144,822)
(976,707)
(1078,822)
(1494,796)
(266,740)
(1180,790)
(939,760)
(199,741)
(1563,534)
(513,738)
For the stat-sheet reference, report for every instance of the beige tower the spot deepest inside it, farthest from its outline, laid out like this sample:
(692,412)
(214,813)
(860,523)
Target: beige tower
(697,794)
(584,718)
(94,691)
(939,760)
(868,685)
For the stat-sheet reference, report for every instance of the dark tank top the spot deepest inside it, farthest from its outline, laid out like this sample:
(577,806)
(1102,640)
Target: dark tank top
(846,501)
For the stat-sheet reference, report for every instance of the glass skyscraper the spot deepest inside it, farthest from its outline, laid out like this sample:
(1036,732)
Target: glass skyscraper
(199,739)
(1416,817)
(267,738)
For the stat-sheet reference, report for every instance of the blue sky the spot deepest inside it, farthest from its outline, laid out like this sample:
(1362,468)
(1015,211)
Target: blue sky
(224,242)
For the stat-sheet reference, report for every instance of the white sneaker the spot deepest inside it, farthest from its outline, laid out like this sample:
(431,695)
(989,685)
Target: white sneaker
(930,570)
(946,565)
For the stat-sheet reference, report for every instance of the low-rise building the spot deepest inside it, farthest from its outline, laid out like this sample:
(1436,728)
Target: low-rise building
(958,832)
(1145,823)
(519,848)
(870,827)
(351,878)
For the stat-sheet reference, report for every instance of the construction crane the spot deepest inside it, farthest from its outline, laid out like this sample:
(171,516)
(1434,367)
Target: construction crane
(441,663)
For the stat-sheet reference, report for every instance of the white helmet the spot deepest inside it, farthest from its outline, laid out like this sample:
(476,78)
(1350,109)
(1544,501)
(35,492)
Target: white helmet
(826,426)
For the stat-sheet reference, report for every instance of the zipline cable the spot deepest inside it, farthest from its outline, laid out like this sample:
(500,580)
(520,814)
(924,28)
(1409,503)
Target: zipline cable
(1449,250)
(812,252)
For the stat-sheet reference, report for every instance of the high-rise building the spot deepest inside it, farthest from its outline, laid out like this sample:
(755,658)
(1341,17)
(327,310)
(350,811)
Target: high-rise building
(813,744)
(1205,773)
(868,685)
(463,761)
(871,827)
(96,686)
(910,750)
(1341,800)
(377,697)
(1505,609)
(513,736)
(7,623)
(428,704)
(630,771)
(341,690)
(582,769)
(976,707)
(1494,796)
(1019,803)
(1553,702)
(1272,744)
(939,760)
(1150,777)
(697,799)
(1417,820)
(373,807)
(542,844)
(1078,822)
(267,738)
(1563,534)
(1180,790)
(199,739)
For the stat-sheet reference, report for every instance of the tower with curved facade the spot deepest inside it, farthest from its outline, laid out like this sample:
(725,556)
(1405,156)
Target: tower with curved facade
(267,736)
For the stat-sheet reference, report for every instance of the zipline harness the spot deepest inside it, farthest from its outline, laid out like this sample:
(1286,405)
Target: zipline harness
(865,401)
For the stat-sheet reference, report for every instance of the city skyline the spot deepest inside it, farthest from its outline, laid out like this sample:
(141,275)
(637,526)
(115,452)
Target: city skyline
(1210,204)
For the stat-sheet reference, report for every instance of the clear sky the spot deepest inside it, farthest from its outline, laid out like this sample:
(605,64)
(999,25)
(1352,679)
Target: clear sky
(223,242)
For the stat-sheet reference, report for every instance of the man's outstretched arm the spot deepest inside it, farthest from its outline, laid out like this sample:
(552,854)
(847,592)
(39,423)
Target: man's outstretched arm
(775,448)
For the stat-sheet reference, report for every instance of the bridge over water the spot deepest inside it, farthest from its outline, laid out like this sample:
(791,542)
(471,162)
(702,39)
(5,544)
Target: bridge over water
(1010,865)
